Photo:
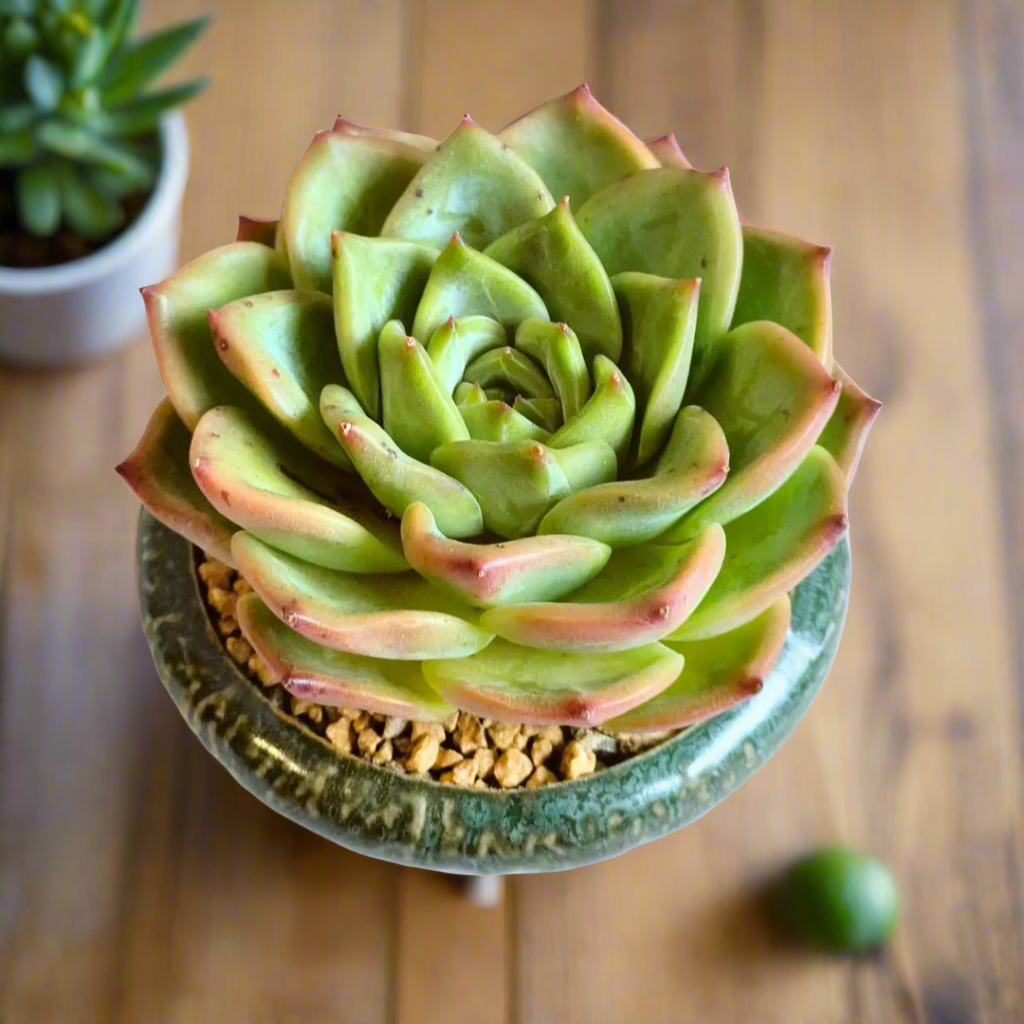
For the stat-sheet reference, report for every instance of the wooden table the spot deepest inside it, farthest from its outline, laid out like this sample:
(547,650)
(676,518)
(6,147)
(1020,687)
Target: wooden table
(139,883)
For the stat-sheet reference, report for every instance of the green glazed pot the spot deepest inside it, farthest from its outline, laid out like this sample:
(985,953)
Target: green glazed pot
(380,813)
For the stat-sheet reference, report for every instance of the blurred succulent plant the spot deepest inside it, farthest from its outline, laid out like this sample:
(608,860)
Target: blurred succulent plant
(472,448)
(77,126)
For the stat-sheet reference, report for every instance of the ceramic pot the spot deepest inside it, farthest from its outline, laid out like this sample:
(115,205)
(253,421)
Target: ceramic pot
(75,312)
(378,812)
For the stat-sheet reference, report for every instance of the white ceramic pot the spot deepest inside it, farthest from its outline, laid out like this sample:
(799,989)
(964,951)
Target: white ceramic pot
(78,311)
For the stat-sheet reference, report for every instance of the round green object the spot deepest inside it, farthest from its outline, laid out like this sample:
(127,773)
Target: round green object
(425,824)
(839,900)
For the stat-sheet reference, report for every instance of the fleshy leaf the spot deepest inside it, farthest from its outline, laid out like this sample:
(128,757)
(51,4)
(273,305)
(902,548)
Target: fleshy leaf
(194,377)
(158,474)
(773,547)
(375,280)
(642,595)
(772,398)
(494,420)
(786,280)
(521,684)
(552,255)
(398,617)
(673,223)
(546,413)
(488,575)
(717,674)
(515,483)
(508,367)
(419,413)
(577,146)
(608,415)
(281,346)
(557,349)
(457,342)
(344,182)
(668,153)
(472,184)
(254,480)
(851,421)
(396,479)
(465,282)
(423,143)
(659,316)
(317,673)
(256,229)
(625,512)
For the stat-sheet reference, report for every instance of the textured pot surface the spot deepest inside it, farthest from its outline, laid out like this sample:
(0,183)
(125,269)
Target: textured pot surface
(76,312)
(380,813)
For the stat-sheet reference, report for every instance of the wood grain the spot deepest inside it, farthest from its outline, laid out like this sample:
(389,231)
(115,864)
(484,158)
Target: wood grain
(139,882)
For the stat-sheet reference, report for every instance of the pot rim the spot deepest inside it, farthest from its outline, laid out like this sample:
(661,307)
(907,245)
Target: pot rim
(163,200)
(378,812)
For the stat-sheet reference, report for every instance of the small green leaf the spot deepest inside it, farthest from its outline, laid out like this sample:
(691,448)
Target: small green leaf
(78,143)
(144,114)
(16,117)
(90,212)
(38,196)
(20,38)
(90,58)
(119,21)
(142,61)
(44,82)
(18,149)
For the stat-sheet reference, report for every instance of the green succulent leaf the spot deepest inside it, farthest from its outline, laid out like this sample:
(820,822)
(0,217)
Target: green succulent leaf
(508,367)
(668,153)
(495,420)
(375,280)
(313,672)
(16,117)
(78,143)
(717,674)
(472,184)
(144,115)
(519,684)
(195,378)
(158,474)
(140,62)
(281,346)
(552,255)
(18,148)
(397,479)
(847,430)
(418,412)
(120,20)
(464,282)
(265,485)
(38,195)
(577,146)
(546,413)
(458,341)
(89,211)
(90,58)
(557,349)
(44,82)
(395,617)
(20,38)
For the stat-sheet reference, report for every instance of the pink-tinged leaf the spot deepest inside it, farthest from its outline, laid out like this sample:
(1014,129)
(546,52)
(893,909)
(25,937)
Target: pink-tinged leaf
(773,547)
(667,151)
(718,673)
(344,182)
(786,280)
(643,594)
(420,142)
(772,398)
(194,377)
(281,346)
(472,184)
(400,617)
(265,485)
(520,684)
(316,673)
(157,473)
(845,433)
(256,229)
(488,575)
(577,146)
(625,512)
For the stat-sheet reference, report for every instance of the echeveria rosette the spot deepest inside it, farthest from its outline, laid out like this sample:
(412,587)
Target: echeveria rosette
(473,447)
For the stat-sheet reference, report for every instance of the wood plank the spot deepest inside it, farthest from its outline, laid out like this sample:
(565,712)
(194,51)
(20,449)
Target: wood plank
(498,60)
(840,128)
(138,880)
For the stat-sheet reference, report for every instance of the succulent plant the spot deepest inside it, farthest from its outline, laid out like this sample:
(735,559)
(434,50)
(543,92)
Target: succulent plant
(76,122)
(475,445)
